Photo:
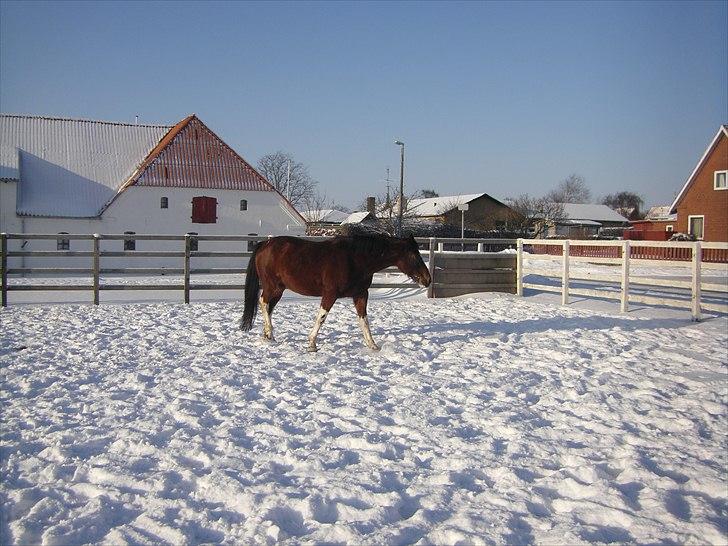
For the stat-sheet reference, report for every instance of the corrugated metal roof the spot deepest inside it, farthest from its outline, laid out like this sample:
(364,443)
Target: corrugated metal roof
(597,213)
(192,156)
(71,167)
(435,206)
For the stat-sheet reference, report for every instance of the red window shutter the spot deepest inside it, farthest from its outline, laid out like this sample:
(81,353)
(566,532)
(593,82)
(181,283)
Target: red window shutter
(197,204)
(204,210)
(211,210)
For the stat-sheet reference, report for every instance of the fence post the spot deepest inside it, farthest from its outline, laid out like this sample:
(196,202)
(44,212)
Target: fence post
(431,267)
(4,266)
(519,267)
(565,276)
(626,252)
(440,247)
(96,268)
(187,267)
(480,247)
(695,292)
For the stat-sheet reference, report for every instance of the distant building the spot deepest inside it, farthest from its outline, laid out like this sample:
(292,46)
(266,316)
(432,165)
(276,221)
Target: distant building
(658,224)
(325,217)
(79,176)
(484,212)
(702,204)
(582,221)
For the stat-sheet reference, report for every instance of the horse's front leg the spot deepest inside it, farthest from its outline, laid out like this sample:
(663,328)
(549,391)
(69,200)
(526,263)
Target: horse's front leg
(360,302)
(327,302)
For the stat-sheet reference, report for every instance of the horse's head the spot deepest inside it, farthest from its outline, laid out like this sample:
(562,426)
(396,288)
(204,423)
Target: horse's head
(409,261)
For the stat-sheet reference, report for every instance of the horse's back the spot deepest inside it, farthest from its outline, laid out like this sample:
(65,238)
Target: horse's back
(298,264)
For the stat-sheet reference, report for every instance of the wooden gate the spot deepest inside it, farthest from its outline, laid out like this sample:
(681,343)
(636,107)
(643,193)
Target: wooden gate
(458,273)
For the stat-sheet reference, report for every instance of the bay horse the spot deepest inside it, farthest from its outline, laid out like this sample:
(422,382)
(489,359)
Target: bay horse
(336,268)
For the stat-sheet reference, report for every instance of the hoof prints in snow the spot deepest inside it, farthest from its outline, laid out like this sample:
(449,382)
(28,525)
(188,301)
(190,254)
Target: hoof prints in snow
(481,420)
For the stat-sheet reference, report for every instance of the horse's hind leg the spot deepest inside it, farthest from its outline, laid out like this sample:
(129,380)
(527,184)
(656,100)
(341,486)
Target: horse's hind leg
(267,303)
(360,302)
(327,302)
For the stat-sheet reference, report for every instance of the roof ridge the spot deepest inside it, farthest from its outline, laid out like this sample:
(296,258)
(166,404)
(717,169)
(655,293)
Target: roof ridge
(83,120)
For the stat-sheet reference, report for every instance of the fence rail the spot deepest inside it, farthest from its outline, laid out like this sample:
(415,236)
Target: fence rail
(97,255)
(447,280)
(622,252)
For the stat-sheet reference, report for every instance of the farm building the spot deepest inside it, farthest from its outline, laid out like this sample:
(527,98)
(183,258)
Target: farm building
(702,204)
(331,221)
(80,176)
(484,212)
(657,225)
(582,221)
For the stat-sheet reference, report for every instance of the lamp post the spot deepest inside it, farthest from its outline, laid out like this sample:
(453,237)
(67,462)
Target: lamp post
(401,186)
(462,208)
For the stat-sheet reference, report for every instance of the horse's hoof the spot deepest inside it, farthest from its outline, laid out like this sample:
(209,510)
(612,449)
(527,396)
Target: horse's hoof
(312,349)
(375,347)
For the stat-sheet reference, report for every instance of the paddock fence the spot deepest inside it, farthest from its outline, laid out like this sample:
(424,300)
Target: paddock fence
(451,276)
(457,266)
(626,254)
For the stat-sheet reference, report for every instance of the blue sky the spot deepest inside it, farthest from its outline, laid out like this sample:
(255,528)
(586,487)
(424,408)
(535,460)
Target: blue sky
(506,98)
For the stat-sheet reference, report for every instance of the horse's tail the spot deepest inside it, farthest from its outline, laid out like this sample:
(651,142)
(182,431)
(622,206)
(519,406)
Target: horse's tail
(252,286)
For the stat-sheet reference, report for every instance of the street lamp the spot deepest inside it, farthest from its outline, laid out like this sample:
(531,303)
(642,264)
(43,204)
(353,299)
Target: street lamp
(401,186)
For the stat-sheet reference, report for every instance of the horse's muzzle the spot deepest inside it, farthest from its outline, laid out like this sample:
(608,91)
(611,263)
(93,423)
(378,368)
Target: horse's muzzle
(424,280)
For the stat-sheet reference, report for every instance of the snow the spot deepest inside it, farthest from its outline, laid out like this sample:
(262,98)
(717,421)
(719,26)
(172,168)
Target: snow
(489,419)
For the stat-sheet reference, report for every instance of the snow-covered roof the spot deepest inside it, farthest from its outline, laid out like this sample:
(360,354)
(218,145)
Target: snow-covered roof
(435,206)
(661,212)
(71,167)
(571,222)
(356,217)
(596,213)
(723,130)
(329,216)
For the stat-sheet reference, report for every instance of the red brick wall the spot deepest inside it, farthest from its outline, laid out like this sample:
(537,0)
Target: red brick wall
(701,199)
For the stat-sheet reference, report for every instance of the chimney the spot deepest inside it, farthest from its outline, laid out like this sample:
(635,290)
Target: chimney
(371,205)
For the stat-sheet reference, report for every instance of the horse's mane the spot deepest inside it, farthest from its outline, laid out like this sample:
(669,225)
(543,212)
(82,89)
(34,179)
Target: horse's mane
(374,244)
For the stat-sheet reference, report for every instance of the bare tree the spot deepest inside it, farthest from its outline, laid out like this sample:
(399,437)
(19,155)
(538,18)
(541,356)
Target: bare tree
(296,184)
(429,193)
(572,189)
(626,203)
(533,215)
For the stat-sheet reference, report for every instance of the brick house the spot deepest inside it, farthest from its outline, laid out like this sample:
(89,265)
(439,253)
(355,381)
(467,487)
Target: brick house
(702,204)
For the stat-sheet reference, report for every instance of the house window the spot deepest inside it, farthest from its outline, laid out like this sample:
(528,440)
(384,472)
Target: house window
(243,204)
(63,244)
(668,227)
(194,243)
(204,210)
(129,242)
(696,226)
(720,180)
(251,244)
(164,203)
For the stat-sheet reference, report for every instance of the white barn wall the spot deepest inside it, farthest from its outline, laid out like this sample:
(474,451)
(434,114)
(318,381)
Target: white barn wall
(138,209)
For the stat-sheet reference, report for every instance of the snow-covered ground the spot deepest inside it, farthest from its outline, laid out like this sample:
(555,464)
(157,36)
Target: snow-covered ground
(490,419)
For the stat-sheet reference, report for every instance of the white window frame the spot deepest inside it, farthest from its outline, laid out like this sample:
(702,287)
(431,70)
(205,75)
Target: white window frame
(715,180)
(690,217)
(669,228)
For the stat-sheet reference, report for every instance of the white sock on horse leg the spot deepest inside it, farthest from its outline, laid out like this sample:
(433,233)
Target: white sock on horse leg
(320,318)
(368,339)
(267,322)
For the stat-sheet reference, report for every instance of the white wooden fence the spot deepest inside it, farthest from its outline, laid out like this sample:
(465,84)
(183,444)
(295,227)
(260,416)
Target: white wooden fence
(695,285)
